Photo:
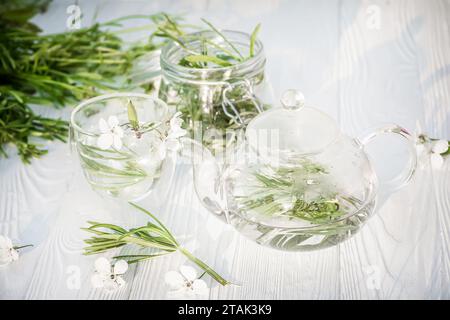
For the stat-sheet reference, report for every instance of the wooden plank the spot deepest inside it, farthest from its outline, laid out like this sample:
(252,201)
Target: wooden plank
(361,72)
(382,80)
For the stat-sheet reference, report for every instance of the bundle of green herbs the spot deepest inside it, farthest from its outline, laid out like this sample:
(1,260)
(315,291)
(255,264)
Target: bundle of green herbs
(63,68)
(56,70)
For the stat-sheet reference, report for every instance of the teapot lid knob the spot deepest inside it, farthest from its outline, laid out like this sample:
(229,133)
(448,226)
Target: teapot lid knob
(292,99)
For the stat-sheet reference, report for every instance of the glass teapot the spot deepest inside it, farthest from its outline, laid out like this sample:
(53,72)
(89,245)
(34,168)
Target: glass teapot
(295,182)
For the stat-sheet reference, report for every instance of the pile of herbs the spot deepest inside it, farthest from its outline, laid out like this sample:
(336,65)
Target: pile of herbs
(57,70)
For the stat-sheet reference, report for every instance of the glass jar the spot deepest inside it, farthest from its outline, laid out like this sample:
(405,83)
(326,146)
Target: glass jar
(116,159)
(216,102)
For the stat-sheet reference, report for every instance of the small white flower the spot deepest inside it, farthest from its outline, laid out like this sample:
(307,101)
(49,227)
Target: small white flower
(175,130)
(172,142)
(185,285)
(439,147)
(107,276)
(425,148)
(176,120)
(7,252)
(111,133)
(419,138)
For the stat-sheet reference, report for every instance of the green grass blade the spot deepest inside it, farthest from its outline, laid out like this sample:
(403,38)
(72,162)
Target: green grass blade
(223,37)
(253,38)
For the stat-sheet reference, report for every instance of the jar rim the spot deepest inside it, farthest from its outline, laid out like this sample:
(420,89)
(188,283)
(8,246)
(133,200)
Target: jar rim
(167,50)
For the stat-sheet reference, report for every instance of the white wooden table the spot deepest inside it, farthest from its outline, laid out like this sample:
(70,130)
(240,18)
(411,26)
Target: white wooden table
(365,63)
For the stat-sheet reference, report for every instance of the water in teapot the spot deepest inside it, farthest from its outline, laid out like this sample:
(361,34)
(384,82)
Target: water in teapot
(302,202)
(294,206)
(296,181)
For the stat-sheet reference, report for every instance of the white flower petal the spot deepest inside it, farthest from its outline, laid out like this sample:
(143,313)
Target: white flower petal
(188,273)
(5,256)
(180,294)
(105,141)
(103,126)
(177,114)
(173,144)
(5,242)
(102,266)
(175,123)
(161,151)
(110,285)
(117,141)
(200,287)
(120,267)
(118,131)
(113,122)
(174,280)
(440,146)
(436,161)
(420,148)
(177,133)
(97,281)
(9,243)
(120,282)
(14,255)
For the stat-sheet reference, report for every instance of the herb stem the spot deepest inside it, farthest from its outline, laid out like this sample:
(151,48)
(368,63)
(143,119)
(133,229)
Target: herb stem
(21,247)
(204,266)
(224,38)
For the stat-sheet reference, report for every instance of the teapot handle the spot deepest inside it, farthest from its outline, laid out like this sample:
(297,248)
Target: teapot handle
(403,177)
(228,105)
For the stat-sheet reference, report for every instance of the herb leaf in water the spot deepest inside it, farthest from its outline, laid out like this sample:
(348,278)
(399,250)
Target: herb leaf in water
(286,192)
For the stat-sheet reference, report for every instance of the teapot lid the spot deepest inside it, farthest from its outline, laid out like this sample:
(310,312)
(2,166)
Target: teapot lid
(293,128)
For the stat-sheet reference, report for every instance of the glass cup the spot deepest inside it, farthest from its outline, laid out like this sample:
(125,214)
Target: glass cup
(118,160)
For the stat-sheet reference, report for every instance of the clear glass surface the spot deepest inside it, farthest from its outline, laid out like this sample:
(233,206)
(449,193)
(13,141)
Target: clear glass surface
(216,102)
(132,168)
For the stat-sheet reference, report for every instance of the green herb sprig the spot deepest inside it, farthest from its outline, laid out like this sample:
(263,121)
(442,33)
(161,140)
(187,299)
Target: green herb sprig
(281,192)
(223,55)
(153,235)
(58,70)
(19,125)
